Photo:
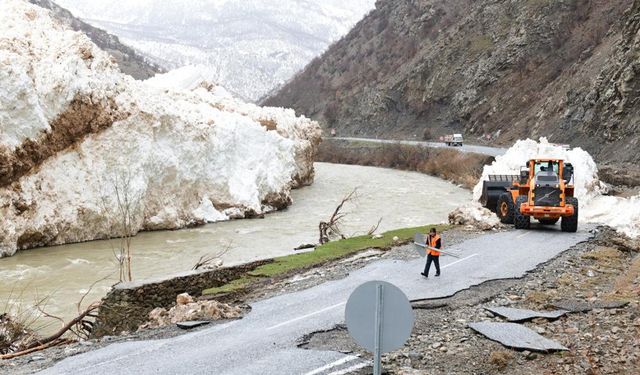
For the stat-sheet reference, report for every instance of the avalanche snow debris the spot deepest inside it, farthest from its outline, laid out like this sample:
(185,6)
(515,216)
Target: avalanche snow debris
(475,215)
(180,156)
(623,214)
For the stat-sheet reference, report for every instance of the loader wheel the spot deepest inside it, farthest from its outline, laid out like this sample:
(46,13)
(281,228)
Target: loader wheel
(549,221)
(505,208)
(570,223)
(521,221)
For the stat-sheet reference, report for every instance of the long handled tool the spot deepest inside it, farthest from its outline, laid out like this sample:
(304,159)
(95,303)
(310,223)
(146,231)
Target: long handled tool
(433,248)
(419,243)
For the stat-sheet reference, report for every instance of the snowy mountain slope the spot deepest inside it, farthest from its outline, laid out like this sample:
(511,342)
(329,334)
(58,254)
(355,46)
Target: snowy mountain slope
(253,45)
(129,60)
(74,130)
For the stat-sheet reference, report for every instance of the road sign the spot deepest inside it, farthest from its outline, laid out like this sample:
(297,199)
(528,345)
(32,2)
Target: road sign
(379,318)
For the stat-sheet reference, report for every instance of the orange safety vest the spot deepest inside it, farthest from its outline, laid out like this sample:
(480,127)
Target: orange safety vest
(433,242)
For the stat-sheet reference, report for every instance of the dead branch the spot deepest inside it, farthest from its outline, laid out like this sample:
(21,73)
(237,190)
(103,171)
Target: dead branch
(332,226)
(374,228)
(79,304)
(207,259)
(37,348)
(41,308)
(65,328)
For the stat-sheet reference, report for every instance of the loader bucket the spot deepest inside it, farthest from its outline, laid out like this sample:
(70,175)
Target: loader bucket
(493,187)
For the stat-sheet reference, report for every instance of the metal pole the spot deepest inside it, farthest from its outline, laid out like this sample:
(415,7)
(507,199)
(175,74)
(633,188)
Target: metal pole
(377,360)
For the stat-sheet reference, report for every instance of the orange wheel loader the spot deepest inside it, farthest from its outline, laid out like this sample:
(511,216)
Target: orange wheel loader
(543,190)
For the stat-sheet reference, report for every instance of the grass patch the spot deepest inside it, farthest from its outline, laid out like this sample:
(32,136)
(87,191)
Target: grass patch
(233,286)
(322,254)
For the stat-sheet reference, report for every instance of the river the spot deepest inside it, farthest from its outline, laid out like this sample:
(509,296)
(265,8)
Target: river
(62,274)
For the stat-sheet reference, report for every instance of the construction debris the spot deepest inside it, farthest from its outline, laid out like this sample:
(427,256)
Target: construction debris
(521,315)
(516,336)
(187,309)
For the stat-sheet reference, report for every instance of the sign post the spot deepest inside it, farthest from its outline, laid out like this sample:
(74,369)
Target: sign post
(377,355)
(379,317)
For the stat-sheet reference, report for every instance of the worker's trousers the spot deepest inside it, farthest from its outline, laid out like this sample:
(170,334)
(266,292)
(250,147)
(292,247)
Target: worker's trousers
(435,260)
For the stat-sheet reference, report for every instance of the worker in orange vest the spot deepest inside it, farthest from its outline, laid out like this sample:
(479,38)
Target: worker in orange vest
(434,242)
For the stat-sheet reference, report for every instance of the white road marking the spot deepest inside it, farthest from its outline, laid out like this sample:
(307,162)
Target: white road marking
(458,261)
(344,303)
(524,234)
(350,369)
(308,315)
(332,365)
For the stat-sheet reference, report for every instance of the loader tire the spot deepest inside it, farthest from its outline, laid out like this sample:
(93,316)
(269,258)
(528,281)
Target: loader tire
(549,221)
(505,208)
(570,223)
(521,221)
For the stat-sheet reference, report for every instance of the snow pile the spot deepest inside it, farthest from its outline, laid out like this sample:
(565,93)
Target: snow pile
(620,213)
(78,139)
(587,184)
(475,215)
(188,77)
(38,81)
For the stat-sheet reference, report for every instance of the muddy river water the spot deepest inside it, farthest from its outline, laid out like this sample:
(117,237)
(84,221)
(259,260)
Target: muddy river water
(63,273)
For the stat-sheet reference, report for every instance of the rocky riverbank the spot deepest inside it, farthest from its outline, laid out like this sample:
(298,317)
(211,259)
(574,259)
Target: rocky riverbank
(449,164)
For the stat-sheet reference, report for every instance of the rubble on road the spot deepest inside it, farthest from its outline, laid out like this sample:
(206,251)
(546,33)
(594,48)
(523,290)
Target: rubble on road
(187,309)
(521,315)
(513,335)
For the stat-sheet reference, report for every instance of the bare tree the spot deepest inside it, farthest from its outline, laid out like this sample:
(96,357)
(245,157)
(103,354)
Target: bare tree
(332,226)
(122,224)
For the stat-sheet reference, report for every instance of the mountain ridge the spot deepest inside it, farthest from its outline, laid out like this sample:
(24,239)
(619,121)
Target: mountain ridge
(129,60)
(496,71)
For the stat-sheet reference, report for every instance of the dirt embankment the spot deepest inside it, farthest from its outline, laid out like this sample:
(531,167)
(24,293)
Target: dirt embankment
(459,167)
(85,115)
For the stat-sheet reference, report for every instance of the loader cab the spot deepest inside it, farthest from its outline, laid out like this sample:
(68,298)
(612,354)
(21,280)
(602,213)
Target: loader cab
(546,186)
(546,166)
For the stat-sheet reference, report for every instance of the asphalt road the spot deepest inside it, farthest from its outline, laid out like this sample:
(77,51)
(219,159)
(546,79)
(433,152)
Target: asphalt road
(491,151)
(264,342)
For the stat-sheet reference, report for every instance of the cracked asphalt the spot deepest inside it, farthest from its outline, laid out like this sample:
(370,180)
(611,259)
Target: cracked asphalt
(265,341)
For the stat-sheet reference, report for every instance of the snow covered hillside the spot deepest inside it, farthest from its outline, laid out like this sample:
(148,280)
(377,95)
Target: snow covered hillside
(252,46)
(74,131)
